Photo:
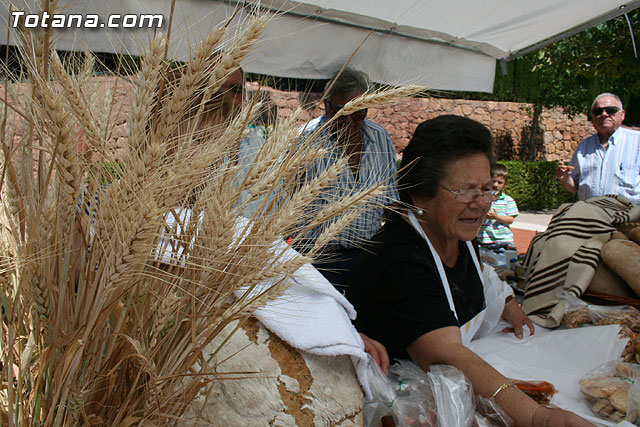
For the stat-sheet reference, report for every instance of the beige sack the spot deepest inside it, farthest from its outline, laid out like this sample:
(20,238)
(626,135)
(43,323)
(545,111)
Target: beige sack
(623,257)
(607,282)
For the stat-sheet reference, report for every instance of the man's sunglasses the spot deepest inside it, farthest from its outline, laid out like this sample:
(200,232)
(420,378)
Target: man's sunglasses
(358,115)
(610,111)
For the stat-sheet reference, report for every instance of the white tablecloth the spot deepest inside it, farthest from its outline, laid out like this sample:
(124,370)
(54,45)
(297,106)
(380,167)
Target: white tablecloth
(560,357)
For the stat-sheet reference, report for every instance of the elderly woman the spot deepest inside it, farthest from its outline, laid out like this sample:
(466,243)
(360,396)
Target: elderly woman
(419,290)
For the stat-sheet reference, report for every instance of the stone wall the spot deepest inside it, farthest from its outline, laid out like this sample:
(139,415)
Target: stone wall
(111,97)
(556,136)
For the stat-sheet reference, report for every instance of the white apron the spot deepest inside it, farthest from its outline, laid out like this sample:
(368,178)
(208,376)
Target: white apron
(469,329)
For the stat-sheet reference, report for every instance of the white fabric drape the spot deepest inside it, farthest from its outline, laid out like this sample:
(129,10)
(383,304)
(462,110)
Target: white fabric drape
(441,44)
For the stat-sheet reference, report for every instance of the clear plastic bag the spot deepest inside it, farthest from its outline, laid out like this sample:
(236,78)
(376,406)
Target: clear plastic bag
(412,412)
(540,391)
(412,381)
(414,404)
(442,397)
(608,391)
(382,395)
(453,394)
(615,315)
(578,313)
(492,258)
(633,403)
(489,413)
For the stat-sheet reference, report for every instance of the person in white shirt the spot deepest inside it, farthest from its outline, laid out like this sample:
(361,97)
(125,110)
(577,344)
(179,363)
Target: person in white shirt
(607,162)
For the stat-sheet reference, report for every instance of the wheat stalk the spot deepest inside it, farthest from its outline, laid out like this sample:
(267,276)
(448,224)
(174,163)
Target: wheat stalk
(376,98)
(76,100)
(148,79)
(100,328)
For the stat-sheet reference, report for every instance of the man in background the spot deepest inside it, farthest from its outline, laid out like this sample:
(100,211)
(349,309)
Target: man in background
(372,161)
(607,162)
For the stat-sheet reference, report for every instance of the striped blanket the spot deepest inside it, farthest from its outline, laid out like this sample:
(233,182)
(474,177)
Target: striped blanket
(565,256)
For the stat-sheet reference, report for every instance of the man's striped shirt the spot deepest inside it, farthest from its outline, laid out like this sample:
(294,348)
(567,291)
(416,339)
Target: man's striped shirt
(377,166)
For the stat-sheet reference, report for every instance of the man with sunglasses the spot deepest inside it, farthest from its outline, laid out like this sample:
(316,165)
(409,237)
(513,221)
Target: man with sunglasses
(607,162)
(372,161)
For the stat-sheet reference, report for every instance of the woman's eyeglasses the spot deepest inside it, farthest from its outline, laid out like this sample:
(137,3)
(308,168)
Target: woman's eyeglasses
(609,110)
(468,195)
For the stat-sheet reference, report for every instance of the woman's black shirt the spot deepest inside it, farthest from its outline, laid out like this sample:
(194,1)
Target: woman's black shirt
(397,292)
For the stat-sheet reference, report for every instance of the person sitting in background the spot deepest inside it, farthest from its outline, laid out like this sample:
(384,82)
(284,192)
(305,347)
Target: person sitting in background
(495,232)
(418,288)
(223,106)
(372,161)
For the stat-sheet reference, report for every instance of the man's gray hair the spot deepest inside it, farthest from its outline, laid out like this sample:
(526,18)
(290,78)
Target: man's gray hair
(347,82)
(602,95)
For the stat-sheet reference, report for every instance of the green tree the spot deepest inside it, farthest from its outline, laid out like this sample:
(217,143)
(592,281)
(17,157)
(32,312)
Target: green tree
(570,72)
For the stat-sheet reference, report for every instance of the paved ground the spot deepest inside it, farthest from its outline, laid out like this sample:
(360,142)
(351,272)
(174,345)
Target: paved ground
(526,225)
(533,220)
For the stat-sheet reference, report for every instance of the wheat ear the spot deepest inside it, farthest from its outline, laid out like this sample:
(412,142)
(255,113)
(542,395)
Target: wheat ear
(76,100)
(144,97)
(178,100)
(376,98)
(230,59)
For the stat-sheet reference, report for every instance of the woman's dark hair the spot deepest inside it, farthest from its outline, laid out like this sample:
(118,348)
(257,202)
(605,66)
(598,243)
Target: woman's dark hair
(435,143)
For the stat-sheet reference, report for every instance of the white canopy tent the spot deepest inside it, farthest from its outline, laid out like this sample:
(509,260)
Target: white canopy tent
(450,44)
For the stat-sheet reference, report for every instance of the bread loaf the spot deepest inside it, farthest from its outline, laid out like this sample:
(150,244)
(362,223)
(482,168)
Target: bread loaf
(618,235)
(607,282)
(634,235)
(623,257)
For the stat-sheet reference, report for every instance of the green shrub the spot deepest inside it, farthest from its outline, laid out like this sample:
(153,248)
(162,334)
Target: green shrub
(106,172)
(534,185)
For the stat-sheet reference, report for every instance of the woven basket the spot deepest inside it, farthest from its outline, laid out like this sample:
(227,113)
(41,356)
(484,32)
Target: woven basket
(608,299)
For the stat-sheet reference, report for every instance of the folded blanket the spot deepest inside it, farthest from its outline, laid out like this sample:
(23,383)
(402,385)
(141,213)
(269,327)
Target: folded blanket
(565,256)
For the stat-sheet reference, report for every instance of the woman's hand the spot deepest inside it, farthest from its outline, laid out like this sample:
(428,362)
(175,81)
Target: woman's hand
(377,351)
(513,314)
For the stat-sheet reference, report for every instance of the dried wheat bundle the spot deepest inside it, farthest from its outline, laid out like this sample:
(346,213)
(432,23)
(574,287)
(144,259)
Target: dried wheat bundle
(115,278)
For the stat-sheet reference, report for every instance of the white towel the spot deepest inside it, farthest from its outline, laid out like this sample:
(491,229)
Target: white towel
(310,315)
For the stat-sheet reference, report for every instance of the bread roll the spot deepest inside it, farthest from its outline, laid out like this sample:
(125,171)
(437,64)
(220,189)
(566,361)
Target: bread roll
(623,257)
(634,235)
(607,282)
